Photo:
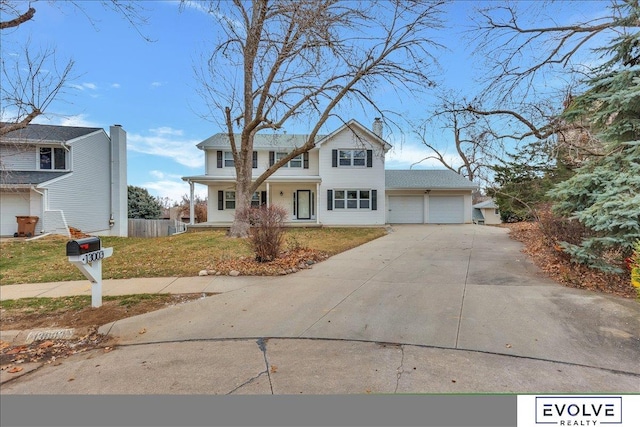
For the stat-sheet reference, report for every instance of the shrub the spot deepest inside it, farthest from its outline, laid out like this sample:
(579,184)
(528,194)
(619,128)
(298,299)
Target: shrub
(267,230)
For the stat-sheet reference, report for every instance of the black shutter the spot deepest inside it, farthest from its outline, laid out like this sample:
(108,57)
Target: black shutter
(374,200)
(263,197)
(219,159)
(295,203)
(330,199)
(305,160)
(369,158)
(255,160)
(272,158)
(220,198)
(334,158)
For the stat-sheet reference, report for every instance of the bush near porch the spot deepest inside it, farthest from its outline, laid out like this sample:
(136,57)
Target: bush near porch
(183,255)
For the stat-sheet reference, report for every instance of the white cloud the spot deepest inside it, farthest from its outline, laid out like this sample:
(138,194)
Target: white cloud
(115,85)
(169,143)
(79,120)
(173,187)
(83,86)
(156,84)
(410,154)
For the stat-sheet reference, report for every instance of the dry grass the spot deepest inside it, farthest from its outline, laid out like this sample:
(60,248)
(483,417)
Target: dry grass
(184,255)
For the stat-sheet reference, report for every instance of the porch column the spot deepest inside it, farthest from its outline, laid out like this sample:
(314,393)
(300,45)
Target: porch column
(191,205)
(268,194)
(317,203)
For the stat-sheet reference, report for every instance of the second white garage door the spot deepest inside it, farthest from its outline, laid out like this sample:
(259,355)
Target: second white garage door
(406,209)
(446,209)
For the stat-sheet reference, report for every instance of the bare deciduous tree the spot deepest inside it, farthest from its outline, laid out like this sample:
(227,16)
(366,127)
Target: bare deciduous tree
(32,78)
(284,60)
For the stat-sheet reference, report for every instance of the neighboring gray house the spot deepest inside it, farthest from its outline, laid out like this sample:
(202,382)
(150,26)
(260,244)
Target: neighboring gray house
(428,197)
(67,177)
(486,213)
(341,181)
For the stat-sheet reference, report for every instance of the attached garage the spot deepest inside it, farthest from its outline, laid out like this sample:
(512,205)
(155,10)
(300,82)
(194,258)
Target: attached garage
(428,196)
(13,204)
(406,210)
(446,210)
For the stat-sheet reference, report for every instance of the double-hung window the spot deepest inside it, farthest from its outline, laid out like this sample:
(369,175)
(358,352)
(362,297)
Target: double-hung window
(296,162)
(229,199)
(352,157)
(228,159)
(255,199)
(352,199)
(53,158)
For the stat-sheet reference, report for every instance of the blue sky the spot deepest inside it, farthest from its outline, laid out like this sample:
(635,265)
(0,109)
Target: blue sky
(150,89)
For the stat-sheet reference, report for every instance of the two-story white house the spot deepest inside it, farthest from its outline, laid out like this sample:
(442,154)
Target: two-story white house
(341,181)
(67,177)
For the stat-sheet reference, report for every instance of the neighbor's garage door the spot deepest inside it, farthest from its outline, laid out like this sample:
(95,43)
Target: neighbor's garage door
(446,209)
(406,209)
(12,204)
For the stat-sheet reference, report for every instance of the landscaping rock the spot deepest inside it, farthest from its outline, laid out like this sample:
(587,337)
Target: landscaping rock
(218,273)
(234,273)
(203,273)
(310,262)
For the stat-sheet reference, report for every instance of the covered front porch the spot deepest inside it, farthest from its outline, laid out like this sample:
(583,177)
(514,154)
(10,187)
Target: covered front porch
(298,195)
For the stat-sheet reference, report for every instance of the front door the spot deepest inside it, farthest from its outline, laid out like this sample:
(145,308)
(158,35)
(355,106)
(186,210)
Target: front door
(303,198)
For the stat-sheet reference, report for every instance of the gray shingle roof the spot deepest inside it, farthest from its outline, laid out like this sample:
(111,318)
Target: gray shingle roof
(490,204)
(47,133)
(274,141)
(28,177)
(427,179)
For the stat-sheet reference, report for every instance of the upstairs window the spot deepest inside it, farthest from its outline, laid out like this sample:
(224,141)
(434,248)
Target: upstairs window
(296,162)
(53,158)
(228,159)
(352,158)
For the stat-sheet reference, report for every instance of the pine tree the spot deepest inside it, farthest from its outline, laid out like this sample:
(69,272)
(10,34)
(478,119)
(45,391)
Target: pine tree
(604,194)
(142,204)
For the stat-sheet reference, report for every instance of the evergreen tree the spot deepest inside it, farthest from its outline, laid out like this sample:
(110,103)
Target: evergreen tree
(142,204)
(604,194)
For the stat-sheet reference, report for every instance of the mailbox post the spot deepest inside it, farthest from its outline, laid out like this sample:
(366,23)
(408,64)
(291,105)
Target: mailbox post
(87,254)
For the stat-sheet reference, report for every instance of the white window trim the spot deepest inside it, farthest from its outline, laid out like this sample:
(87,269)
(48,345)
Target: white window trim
(227,156)
(226,199)
(280,154)
(352,158)
(53,158)
(346,199)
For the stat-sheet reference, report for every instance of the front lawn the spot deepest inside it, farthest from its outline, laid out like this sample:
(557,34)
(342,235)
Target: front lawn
(184,255)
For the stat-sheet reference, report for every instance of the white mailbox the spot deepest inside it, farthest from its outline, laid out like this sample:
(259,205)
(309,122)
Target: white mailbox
(87,254)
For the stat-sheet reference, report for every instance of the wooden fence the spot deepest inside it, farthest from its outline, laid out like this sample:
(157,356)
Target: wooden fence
(155,227)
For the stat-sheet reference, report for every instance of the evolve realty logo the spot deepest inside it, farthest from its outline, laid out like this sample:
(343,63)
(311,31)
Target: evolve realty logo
(579,410)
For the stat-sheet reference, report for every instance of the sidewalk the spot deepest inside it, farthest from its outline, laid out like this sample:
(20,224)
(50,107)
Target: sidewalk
(155,285)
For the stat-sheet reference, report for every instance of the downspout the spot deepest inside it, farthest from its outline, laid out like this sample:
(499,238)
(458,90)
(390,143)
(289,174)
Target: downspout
(111,166)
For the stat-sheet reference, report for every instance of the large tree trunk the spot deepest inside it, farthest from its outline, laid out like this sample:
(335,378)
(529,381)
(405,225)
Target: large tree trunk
(244,189)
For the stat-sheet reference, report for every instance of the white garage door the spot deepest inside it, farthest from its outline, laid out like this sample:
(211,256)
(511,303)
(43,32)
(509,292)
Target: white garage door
(12,204)
(446,210)
(406,209)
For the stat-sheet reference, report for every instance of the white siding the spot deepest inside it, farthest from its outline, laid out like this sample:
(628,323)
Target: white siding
(84,195)
(211,165)
(13,157)
(357,178)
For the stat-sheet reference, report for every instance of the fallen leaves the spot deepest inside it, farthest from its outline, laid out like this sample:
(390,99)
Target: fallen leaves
(289,262)
(557,265)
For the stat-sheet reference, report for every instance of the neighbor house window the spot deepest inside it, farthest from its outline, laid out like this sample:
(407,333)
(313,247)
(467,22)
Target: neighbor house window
(229,199)
(296,162)
(53,158)
(496,211)
(352,199)
(255,199)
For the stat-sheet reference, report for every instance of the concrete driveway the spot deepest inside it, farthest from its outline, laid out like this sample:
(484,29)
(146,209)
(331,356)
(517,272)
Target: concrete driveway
(454,300)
